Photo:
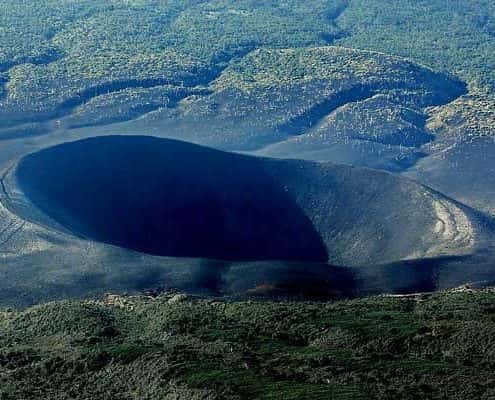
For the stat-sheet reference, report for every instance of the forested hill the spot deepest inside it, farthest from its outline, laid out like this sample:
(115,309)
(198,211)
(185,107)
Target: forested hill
(52,48)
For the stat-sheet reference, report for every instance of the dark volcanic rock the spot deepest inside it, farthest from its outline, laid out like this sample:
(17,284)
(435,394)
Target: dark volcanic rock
(170,198)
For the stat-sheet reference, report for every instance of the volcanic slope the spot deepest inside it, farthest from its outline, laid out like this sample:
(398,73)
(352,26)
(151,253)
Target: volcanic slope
(461,161)
(274,96)
(334,104)
(171,198)
(259,76)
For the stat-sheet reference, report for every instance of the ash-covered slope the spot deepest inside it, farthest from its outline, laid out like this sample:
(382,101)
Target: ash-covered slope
(170,198)
(461,161)
(290,98)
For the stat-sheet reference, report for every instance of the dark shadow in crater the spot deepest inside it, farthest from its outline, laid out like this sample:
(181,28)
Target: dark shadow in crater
(169,198)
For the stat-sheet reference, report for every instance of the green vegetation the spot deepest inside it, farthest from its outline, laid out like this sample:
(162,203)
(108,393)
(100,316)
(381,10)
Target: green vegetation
(435,346)
(129,103)
(59,54)
(267,83)
(281,68)
(453,36)
(178,42)
(103,62)
(466,118)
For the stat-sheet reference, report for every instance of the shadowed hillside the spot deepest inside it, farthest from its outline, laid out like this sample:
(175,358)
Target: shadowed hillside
(170,198)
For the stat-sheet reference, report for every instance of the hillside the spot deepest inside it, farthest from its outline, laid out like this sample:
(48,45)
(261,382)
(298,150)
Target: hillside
(177,347)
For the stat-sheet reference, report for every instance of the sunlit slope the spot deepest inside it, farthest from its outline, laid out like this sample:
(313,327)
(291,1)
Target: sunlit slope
(175,346)
(56,55)
(461,161)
